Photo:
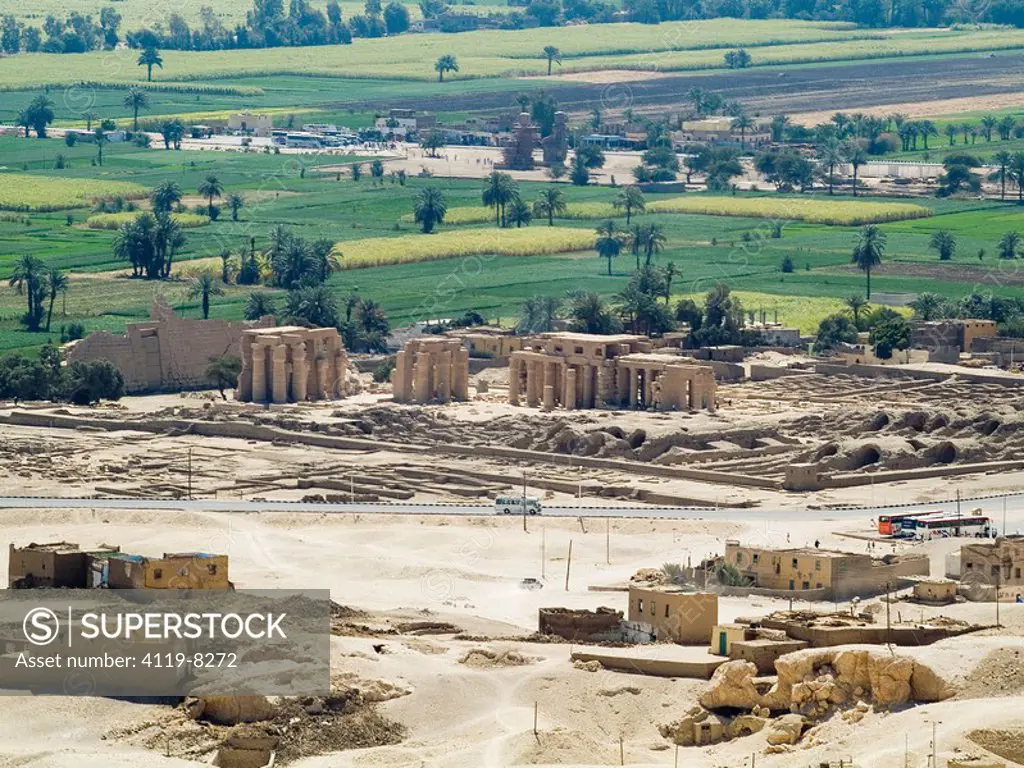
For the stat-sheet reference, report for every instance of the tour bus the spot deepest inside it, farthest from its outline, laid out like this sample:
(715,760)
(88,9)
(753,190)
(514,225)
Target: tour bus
(513,505)
(979,526)
(890,525)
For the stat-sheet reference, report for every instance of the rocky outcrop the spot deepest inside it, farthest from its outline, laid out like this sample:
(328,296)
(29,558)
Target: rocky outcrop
(785,730)
(732,685)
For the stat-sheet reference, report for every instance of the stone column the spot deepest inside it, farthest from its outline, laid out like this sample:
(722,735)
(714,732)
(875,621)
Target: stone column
(513,381)
(321,378)
(400,378)
(648,387)
(621,384)
(531,384)
(300,373)
(421,378)
(259,372)
(460,374)
(340,366)
(549,386)
(279,374)
(569,401)
(587,371)
(443,376)
(634,384)
(243,388)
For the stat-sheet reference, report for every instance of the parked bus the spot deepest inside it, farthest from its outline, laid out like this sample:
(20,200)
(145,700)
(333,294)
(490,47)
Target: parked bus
(513,505)
(890,525)
(978,526)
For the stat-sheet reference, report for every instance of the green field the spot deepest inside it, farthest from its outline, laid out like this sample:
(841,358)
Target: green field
(705,248)
(672,46)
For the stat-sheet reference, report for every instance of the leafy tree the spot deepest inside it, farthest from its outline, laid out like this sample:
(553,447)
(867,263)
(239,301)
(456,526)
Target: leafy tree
(890,335)
(868,251)
(786,169)
(689,313)
(149,58)
(23,379)
(538,315)
(235,202)
(202,288)
(738,59)
(430,208)
(1002,159)
(223,372)
(172,131)
(136,100)
(89,382)
(638,305)
(1009,245)
(944,243)
(210,188)
(579,175)
(396,18)
(260,304)
(357,171)
(38,115)
(519,212)
(446,63)
(832,331)
(552,54)
(1017,174)
(630,199)
(928,306)
(432,142)
(550,204)
(593,156)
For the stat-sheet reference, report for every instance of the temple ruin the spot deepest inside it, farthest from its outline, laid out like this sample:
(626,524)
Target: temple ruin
(291,364)
(578,370)
(431,370)
(556,144)
(518,154)
(167,352)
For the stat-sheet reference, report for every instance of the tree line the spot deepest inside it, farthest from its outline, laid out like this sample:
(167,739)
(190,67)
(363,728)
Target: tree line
(45,378)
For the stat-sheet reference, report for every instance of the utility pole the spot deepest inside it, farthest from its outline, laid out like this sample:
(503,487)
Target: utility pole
(999,576)
(568,565)
(524,501)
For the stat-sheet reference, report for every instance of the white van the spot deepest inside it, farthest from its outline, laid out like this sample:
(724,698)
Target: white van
(513,505)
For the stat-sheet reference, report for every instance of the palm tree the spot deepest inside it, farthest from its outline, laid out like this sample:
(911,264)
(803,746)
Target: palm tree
(608,243)
(164,196)
(1003,160)
(868,251)
(744,123)
(831,154)
(637,239)
(631,199)
(1009,245)
(519,212)
(259,304)
(430,209)
(100,138)
(654,242)
(856,304)
(927,306)
(135,100)
(549,204)
(927,128)
(1017,174)
(446,63)
(950,131)
(26,278)
(203,287)
(856,156)
(988,124)
(149,58)
(670,272)
(552,54)
(56,283)
(235,203)
(498,192)
(210,188)
(944,242)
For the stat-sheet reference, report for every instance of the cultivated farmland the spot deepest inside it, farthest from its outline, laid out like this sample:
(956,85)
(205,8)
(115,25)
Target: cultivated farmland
(20,192)
(818,211)
(115,220)
(409,249)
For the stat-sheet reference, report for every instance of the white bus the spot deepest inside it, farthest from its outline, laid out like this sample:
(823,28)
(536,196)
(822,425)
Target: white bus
(513,505)
(936,527)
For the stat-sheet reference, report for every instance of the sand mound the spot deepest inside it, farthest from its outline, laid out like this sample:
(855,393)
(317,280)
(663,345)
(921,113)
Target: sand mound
(999,673)
(1007,744)
(487,658)
(563,748)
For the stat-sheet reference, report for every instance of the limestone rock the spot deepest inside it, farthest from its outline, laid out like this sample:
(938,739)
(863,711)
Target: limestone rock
(231,710)
(785,730)
(744,725)
(890,679)
(732,685)
(927,686)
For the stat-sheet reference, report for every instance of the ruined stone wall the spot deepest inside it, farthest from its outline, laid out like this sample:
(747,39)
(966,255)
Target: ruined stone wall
(580,625)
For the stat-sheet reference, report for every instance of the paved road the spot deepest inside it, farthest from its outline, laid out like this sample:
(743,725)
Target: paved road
(1014,505)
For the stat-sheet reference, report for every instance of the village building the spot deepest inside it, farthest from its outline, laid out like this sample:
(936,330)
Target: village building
(999,561)
(431,370)
(182,570)
(251,124)
(715,130)
(166,353)
(833,574)
(671,613)
(399,123)
(578,370)
(56,565)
